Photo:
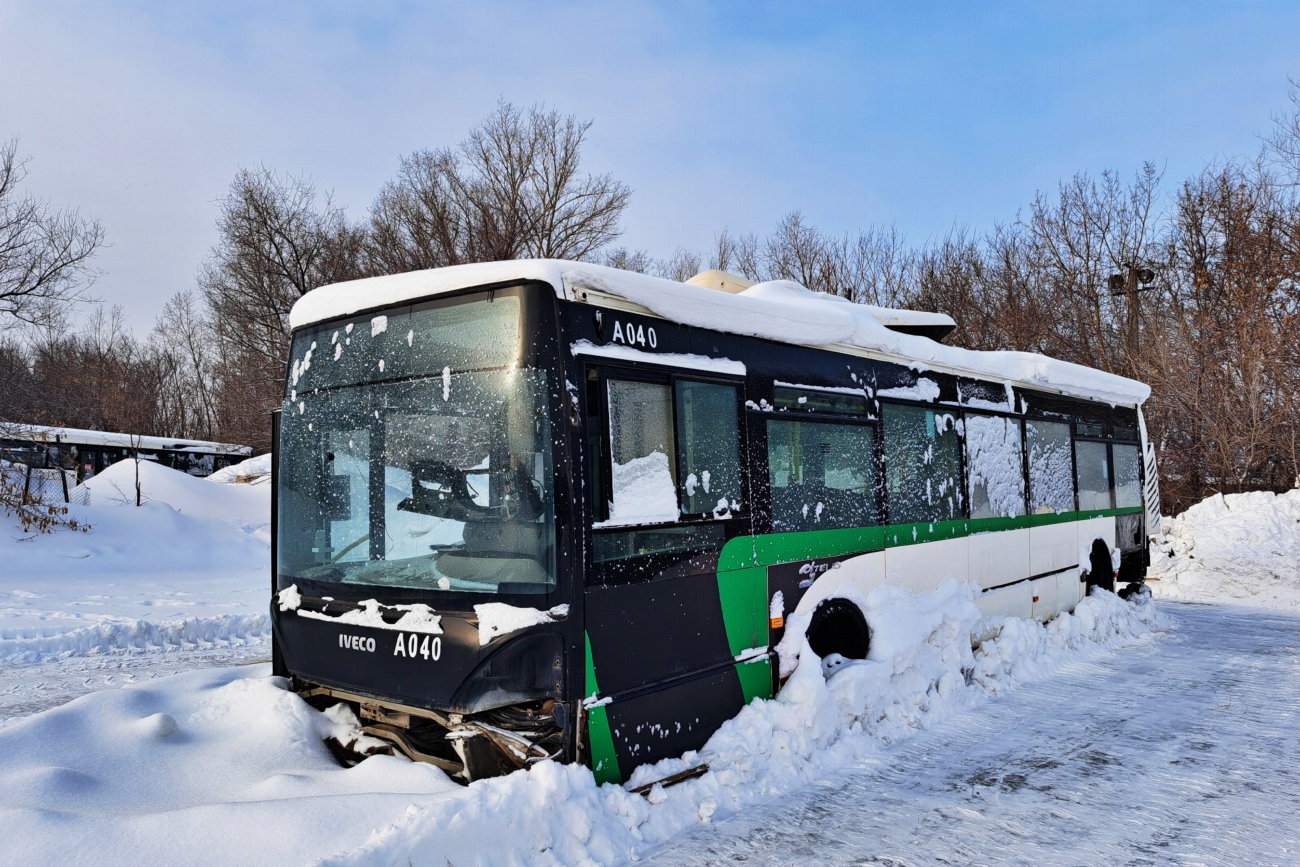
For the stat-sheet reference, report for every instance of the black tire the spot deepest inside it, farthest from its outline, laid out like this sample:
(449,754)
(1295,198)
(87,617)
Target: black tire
(837,626)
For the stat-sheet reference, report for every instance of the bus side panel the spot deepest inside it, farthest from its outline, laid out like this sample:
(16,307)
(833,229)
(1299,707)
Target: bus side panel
(1016,600)
(921,567)
(1053,547)
(863,573)
(652,631)
(1089,530)
(1069,589)
(678,717)
(1000,557)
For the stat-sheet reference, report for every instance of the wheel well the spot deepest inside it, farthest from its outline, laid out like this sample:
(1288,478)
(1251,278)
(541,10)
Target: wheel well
(837,626)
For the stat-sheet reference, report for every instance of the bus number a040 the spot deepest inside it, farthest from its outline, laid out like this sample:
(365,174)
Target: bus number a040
(634,335)
(418,646)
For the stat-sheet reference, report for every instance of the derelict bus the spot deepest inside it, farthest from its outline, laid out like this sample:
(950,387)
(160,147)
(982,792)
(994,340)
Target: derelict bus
(540,509)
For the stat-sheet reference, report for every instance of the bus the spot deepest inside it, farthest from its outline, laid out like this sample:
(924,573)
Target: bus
(86,453)
(542,509)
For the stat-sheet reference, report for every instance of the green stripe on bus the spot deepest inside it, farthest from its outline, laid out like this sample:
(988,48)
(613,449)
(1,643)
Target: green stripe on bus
(604,762)
(743,594)
(744,552)
(755,678)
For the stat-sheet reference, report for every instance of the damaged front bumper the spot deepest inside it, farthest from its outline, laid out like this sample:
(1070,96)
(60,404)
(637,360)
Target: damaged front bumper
(466,746)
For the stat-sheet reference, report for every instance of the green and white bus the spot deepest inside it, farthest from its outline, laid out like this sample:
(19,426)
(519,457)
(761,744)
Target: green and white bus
(545,509)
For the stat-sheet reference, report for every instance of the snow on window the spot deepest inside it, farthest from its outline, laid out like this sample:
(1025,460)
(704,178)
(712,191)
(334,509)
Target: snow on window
(378,325)
(922,464)
(643,487)
(994,468)
(1094,476)
(709,442)
(1051,478)
(822,475)
(644,492)
(1128,478)
(925,390)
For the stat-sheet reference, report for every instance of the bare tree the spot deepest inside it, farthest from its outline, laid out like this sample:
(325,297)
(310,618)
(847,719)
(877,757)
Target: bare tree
(276,244)
(512,189)
(44,254)
(185,348)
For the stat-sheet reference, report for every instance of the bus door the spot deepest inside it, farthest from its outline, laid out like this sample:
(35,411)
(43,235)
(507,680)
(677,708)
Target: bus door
(668,608)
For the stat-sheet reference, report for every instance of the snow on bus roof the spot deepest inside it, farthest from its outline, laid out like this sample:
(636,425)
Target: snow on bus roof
(779,310)
(78,436)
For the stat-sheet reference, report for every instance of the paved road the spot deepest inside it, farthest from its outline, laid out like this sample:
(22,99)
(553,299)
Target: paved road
(1184,751)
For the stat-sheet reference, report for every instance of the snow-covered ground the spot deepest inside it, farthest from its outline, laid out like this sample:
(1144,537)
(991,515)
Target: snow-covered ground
(180,582)
(1179,751)
(162,771)
(1140,732)
(1237,548)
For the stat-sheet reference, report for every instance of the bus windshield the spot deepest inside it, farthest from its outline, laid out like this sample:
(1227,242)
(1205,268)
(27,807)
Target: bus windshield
(416,454)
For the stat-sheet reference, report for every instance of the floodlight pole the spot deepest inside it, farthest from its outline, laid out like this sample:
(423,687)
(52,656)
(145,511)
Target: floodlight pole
(1129,284)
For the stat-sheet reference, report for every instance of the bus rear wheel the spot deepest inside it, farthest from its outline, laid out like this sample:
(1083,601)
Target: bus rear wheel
(837,626)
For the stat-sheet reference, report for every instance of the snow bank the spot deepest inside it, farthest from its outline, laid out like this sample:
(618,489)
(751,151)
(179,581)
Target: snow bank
(921,671)
(1235,548)
(26,646)
(191,495)
(159,773)
(190,569)
(214,767)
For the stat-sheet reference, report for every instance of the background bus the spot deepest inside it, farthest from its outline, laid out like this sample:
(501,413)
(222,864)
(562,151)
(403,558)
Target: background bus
(88,452)
(545,509)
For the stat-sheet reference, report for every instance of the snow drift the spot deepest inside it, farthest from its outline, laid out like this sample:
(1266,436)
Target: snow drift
(1235,548)
(922,672)
(164,771)
(186,570)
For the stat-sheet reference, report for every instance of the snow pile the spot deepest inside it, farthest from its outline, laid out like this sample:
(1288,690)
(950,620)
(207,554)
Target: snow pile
(213,767)
(921,671)
(497,618)
(254,471)
(160,773)
(1237,548)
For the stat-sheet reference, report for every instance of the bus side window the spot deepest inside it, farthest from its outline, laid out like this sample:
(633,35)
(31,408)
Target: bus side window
(1051,477)
(1128,476)
(674,451)
(922,464)
(708,439)
(994,466)
(822,474)
(1094,475)
(643,484)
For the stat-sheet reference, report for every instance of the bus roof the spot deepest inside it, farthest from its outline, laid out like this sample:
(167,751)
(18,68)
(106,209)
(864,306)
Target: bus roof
(778,310)
(77,436)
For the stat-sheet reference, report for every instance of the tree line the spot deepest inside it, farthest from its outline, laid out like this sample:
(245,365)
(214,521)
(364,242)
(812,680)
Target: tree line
(1190,287)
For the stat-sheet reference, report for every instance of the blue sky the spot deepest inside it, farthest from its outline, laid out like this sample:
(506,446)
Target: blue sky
(921,115)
